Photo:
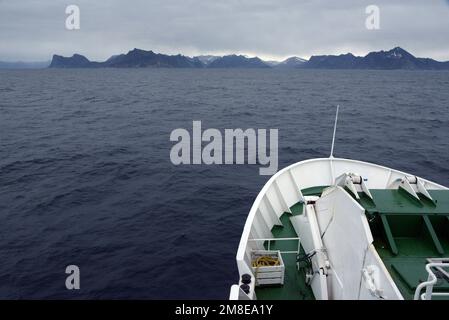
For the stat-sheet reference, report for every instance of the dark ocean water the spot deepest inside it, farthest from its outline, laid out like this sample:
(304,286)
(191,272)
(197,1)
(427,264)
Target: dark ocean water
(86,178)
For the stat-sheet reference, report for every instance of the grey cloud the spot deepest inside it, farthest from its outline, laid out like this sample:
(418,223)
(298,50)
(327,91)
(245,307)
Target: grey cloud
(34,30)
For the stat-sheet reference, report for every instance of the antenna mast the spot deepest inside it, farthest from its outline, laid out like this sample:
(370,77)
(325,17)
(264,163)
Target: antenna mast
(335,130)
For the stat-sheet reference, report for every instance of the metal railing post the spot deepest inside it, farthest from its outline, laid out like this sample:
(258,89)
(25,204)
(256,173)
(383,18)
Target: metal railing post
(431,280)
(429,288)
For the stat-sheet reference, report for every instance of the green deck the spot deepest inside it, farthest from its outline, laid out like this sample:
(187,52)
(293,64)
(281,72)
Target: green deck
(294,287)
(388,201)
(406,232)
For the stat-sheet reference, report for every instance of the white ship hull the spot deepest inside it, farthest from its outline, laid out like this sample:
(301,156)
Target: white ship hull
(346,264)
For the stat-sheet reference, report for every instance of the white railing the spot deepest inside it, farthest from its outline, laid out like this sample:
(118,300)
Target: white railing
(278,239)
(439,264)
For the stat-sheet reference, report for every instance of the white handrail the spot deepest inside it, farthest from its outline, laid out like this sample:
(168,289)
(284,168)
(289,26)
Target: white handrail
(431,280)
(279,239)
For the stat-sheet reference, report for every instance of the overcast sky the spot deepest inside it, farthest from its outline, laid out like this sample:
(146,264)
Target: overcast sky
(33,30)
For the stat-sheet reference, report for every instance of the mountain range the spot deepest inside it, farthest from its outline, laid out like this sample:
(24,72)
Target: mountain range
(396,58)
(138,58)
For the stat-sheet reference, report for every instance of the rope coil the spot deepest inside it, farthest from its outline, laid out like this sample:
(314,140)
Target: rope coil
(266,261)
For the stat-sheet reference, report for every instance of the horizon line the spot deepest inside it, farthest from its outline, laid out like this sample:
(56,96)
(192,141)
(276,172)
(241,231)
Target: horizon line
(266,58)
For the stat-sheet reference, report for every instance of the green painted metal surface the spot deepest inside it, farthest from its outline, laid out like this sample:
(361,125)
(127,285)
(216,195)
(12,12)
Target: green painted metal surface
(297,208)
(406,232)
(388,201)
(389,235)
(313,191)
(408,268)
(294,287)
(433,235)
